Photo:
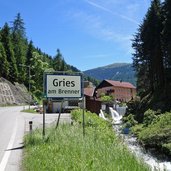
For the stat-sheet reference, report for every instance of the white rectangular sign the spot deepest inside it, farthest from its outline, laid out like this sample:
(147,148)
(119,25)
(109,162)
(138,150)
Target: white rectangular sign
(63,86)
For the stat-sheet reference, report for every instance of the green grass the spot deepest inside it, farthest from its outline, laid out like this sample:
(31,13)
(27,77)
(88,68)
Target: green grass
(66,149)
(29,111)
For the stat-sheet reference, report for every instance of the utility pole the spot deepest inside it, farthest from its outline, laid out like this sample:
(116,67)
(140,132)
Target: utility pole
(29,82)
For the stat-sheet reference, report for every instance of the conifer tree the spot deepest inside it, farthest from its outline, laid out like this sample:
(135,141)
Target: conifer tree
(19,45)
(148,56)
(57,61)
(166,35)
(63,65)
(29,53)
(4,65)
(7,44)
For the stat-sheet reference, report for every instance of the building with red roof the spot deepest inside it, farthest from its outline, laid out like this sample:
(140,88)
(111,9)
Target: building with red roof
(121,91)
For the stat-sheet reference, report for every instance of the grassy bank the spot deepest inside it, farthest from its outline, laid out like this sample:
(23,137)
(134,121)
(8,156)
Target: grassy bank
(29,111)
(157,134)
(67,149)
(154,133)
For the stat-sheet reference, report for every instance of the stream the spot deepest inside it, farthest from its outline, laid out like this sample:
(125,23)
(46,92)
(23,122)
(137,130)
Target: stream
(133,146)
(131,142)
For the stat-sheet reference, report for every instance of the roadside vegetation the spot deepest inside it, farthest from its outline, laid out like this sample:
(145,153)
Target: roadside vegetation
(29,111)
(154,132)
(65,148)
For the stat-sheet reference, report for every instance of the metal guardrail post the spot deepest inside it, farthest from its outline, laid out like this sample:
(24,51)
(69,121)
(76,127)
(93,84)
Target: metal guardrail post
(30,126)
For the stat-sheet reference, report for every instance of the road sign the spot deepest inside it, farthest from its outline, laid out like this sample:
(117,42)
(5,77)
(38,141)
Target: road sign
(63,86)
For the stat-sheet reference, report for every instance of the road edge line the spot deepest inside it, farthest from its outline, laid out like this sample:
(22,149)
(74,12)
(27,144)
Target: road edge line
(7,153)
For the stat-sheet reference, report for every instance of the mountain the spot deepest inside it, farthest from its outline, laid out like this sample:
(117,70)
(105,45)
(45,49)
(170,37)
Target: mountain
(116,71)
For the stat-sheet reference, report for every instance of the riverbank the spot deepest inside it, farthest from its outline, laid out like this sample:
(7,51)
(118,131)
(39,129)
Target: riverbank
(65,148)
(155,162)
(153,135)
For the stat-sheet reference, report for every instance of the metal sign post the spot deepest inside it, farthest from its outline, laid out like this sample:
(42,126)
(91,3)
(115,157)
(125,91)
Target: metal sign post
(44,118)
(62,86)
(57,123)
(83,116)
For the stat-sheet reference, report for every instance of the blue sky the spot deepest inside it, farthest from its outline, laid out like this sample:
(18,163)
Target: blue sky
(89,33)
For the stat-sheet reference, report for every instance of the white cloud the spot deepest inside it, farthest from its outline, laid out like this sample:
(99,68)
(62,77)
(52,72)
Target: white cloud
(96,27)
(124,17)
(106,27)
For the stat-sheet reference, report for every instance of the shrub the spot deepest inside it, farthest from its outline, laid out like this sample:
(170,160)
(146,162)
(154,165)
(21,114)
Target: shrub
(129,120)
(149,117)
(134,108)
(158,133)
(91,119)
(137,129)
(106,99)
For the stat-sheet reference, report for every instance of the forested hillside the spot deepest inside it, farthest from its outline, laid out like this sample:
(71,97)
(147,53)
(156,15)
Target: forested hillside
(18,55)
(152,56)
(116,71)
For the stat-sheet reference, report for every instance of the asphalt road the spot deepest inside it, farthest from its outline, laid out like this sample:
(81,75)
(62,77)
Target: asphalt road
(13,125)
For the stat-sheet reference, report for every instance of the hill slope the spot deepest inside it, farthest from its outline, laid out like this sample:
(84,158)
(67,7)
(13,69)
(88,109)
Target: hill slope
(116,71)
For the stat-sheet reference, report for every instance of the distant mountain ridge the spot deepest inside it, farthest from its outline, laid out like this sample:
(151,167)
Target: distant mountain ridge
(115,71)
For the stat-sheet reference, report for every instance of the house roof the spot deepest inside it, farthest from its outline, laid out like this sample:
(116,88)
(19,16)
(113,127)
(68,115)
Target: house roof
(89,91)
(116,84)
(120,84)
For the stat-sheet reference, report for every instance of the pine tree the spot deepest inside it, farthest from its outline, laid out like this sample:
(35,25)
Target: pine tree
(57,61)
(166,35)
(7,44)
(19,45)
(4,65)
(29,53)
(148,56)
(63,65)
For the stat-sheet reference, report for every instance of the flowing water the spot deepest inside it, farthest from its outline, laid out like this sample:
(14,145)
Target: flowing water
(132,143)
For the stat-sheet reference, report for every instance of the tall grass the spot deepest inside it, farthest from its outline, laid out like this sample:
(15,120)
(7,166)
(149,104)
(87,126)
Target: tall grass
(67,149)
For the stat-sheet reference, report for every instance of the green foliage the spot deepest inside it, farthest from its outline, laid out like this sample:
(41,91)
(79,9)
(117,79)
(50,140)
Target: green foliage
(149,117)
(166,33)
(136,129)
(59,63)
(134,107)
(152,56)
(129,121)
(15,50)
(148,51)
(37,69)
(19,46)
(8,46)
(67,149)
(167,148)
(91,119)
(4,65)
(38,94)
(155,131)
(116,71)
(91,79)
(106,99)
(158,133)
(29,111)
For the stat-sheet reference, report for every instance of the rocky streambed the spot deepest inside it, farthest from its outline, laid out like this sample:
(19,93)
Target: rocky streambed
(155,162)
